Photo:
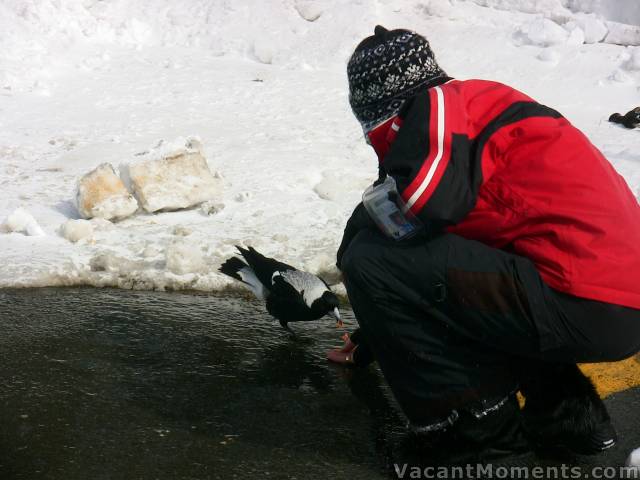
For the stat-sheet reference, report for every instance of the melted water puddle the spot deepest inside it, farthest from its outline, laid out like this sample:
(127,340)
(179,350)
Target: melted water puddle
(121,384)
(115,384)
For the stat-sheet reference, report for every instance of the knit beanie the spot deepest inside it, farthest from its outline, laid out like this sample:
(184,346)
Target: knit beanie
(385,70)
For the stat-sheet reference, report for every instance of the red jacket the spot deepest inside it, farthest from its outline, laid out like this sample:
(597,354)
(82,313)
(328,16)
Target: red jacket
(488,163)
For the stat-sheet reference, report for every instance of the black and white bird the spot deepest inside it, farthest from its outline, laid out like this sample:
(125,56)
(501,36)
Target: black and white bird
(291,295)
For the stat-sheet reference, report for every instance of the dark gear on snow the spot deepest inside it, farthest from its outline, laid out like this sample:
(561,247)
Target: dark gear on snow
(385,70)
(448,320)
(629,120)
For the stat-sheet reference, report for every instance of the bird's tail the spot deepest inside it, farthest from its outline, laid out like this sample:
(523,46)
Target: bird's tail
(252,256)
(236,268)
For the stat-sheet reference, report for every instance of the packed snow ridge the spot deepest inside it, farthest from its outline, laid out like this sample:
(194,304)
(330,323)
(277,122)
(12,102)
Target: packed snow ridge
(141,141)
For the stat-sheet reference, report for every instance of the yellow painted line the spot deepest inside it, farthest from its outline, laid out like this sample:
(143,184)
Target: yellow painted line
(614,377)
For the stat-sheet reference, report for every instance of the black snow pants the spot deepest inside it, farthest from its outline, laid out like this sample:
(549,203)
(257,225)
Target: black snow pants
(450,320)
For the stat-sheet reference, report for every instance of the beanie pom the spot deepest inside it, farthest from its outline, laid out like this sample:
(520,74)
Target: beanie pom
(380,30)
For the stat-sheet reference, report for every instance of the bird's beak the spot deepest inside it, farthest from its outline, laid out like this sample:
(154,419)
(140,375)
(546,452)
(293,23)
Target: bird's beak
(335,313)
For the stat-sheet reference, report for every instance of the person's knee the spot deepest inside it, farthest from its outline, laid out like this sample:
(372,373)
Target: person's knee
(361,257)
(373,260)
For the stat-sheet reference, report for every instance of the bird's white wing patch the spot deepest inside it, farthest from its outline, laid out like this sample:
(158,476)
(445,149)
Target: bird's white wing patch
(311,286)
(249,277)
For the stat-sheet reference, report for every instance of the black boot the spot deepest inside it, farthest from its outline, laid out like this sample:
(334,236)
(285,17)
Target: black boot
(494,433)
(563,410)
(476,436)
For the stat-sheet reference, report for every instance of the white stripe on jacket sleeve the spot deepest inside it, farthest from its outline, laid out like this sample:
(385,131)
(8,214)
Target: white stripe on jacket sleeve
(427,179)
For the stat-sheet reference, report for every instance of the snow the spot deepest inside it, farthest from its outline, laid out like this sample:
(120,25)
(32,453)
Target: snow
(633,463)
(21,221)
(182,258)
(76,230)
(634,60)
(627,11)
(310,10)
(542,32)
(211,207)
(102,194)
(549,55)
(262,86)
(595,29)
(549,7)
(172,176)
(622,34)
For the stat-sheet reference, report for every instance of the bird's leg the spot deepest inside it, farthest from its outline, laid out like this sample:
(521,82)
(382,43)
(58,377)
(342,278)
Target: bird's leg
(286,326)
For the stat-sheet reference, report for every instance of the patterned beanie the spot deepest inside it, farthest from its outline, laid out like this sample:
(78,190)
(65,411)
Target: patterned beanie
(385,70)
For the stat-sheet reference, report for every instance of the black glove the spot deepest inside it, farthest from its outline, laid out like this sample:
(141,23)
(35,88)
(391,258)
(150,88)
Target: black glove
(359,220)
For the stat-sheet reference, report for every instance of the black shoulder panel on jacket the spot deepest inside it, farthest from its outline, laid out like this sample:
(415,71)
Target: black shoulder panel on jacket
(411,146)
(516,112)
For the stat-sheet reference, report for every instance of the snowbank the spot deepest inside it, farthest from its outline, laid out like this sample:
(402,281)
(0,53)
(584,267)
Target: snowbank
(310,10)
(102,194)
(21,221)
(211,207)
(609,21)
(633,63)
(551,8)
(622,34)
(182,258)
(542,32)
(173,176)
(41,39)
(86,83)
(38,38)
(595,30)
(338,186)
(545,32)
(624,11)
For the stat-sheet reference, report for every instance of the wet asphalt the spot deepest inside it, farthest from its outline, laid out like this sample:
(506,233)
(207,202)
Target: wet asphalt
(112,384)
